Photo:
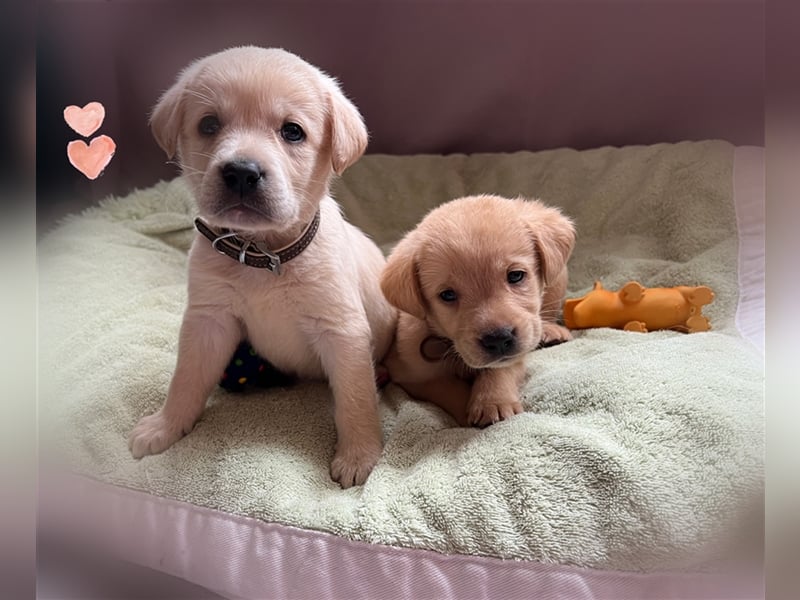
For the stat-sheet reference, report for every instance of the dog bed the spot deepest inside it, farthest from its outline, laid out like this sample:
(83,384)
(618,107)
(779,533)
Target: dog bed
(634,469)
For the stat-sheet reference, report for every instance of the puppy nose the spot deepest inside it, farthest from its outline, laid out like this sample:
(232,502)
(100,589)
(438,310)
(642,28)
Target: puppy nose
(242,176)
(499,342)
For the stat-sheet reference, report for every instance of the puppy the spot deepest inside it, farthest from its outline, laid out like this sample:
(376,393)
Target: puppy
(258,134)
(479,283)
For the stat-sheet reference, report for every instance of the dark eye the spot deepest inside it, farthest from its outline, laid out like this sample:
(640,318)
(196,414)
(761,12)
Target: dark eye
(515,276)
(292,132)
(209,125)
(448,296)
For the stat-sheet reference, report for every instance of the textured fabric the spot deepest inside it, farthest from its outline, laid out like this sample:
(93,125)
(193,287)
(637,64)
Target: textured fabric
(636,451)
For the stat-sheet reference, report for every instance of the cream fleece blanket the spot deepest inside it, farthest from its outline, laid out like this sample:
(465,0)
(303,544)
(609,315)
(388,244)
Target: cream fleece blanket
(636,451)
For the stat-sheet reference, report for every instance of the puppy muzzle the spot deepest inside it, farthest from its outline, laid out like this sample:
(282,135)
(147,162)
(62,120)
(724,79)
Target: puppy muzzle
(499,343)
(242,177)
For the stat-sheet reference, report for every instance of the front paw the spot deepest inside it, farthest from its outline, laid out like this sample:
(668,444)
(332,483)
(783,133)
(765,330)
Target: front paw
(553,334)
(353,462)
(155,433)
(486,411)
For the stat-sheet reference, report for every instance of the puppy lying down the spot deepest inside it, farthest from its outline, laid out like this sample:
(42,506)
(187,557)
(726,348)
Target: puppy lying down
(479,283)
(258,134)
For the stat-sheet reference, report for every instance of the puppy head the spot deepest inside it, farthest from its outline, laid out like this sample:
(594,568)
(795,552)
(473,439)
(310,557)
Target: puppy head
(258,134)
(476,269)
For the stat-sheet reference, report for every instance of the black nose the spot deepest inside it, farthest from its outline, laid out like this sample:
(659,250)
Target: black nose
(499,342)
(242,176)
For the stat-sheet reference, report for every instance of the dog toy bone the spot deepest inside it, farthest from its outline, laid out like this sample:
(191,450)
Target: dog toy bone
(637,308)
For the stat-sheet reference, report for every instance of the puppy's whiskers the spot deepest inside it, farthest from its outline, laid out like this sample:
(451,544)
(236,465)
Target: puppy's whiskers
(455,361)
(203,98)
(550,313)
(206,87)
(203,154)
(187,170)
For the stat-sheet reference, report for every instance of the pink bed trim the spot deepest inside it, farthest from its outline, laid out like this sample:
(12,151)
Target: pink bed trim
(748,197)
(239,557)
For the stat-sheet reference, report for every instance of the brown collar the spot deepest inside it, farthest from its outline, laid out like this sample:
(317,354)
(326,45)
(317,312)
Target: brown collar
(250,253)
(434,348)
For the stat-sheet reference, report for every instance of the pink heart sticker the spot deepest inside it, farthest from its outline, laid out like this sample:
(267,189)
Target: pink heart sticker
(92,159)
(85,120)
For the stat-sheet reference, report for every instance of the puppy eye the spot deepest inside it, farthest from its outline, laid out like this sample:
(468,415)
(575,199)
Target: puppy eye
(448,296)
(292,132)
(209,125)
(515,276)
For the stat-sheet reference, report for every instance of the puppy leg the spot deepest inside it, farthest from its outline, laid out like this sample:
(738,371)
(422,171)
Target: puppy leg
(495,394)
(347,361)
(552,300)
(206,342)
(449,393)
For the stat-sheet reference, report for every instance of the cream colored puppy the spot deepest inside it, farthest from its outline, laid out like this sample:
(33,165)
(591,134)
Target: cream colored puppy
(479,283)
(258,134)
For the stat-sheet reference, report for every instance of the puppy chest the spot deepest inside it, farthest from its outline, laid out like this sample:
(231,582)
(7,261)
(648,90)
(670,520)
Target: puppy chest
(275,331)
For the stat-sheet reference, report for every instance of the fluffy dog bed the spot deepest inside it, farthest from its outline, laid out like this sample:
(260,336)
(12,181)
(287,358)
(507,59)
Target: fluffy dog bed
(637,452)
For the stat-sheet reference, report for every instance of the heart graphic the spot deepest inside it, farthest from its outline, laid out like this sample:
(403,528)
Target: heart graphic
(92,159)
(85,120)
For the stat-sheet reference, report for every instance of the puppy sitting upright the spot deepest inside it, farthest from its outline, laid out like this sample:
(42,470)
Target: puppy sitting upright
(259,133)
(479,283)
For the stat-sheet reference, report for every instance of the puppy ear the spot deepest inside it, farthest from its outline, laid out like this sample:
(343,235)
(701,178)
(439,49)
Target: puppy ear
(349,135)
(553,239)
(166,119)
(400,281)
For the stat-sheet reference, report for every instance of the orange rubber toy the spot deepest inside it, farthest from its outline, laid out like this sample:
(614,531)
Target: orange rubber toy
(637,308)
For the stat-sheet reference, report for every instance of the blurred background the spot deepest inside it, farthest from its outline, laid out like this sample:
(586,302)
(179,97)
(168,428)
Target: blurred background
(429,77)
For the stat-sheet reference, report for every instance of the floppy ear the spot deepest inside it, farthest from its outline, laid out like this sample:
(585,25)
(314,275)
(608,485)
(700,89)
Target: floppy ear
(553,239)
(166,119)
(400,281)
(348,133)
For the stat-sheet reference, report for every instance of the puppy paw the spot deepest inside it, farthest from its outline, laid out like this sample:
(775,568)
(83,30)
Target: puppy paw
(353,463)
(553,334)
(489,411)
(154,434)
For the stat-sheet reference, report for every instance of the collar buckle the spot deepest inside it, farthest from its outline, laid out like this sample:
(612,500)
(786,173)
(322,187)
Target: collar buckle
(274,265)
(220,238)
